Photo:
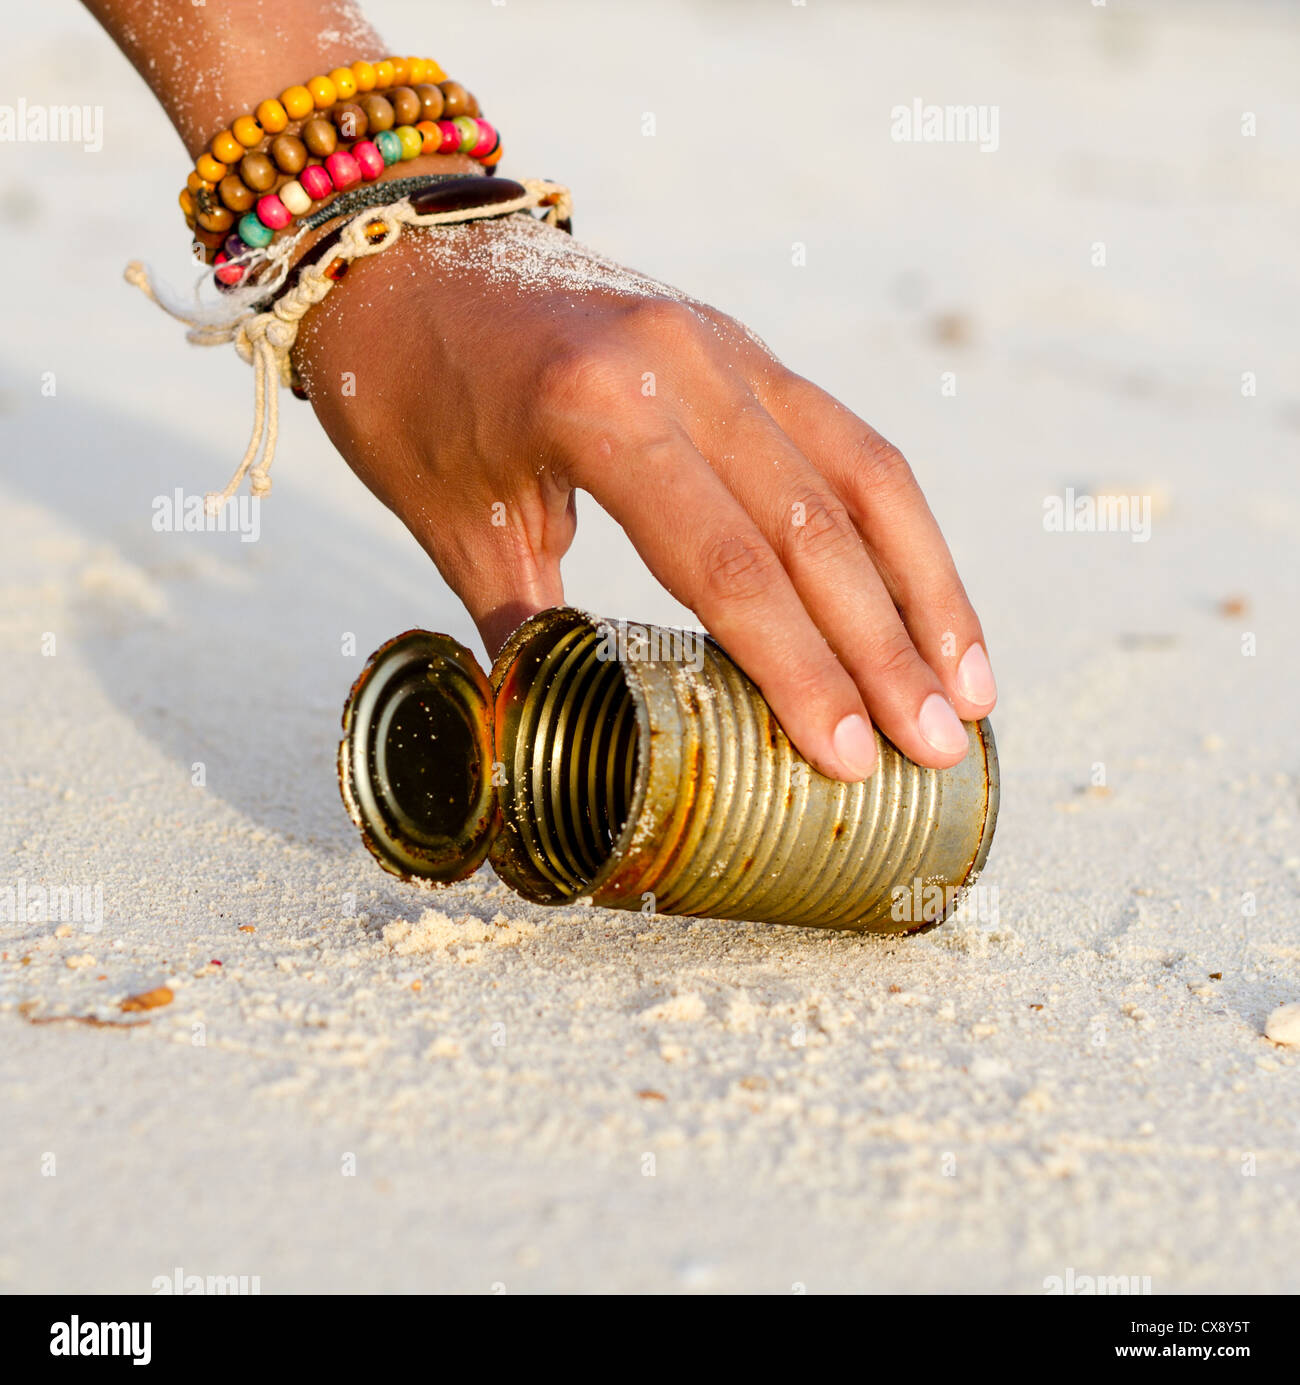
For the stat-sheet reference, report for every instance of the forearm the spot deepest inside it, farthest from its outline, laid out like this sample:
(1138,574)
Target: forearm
(208,63)
(212,61)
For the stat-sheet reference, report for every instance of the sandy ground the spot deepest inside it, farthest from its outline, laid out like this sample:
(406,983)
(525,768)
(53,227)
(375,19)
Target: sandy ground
(351,1092)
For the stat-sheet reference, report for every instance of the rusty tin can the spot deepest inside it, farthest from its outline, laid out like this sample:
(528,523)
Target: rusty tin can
(636,767)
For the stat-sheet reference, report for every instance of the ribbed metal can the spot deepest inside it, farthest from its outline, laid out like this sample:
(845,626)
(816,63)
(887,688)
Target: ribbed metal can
(636,767)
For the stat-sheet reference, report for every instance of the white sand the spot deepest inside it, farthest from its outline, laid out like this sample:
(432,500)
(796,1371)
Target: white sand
(1083,1084)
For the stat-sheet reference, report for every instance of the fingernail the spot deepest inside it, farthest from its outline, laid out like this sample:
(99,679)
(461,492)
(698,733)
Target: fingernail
(855,746)
(975,677)
(938,724)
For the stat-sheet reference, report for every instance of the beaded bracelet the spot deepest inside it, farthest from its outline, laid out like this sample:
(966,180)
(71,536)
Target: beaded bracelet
(342,170)
(287,132)
(321,94)
(281,269)
(344,167)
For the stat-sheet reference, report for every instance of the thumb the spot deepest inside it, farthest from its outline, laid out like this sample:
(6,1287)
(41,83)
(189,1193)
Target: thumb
(502,581)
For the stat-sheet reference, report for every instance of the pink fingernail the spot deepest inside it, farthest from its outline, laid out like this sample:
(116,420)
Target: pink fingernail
(975,677)
(855,746)
(938,724)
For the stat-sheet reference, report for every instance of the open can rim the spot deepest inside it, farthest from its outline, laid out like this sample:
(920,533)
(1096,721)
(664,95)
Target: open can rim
(423,687)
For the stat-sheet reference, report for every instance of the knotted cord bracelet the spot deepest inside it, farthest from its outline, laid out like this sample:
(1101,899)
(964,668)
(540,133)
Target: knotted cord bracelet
(443,193)
(266,338)
(244,257)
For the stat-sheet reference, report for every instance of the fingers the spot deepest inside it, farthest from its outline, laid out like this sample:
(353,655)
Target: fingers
(699,542)
(904,540)
(812,533)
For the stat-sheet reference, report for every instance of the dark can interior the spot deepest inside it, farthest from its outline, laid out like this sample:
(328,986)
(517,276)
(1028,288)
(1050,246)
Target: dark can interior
(567,737)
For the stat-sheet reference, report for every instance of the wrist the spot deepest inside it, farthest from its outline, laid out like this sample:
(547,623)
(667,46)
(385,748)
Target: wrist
(208,63)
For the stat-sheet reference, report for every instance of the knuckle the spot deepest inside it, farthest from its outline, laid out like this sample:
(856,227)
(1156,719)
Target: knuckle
(579,377)
(892,656)
(591,459)
(723,325)
(808,683)
(879,465)
(737,567)
(794,392)
(662,319)
(659,452)
(819,522)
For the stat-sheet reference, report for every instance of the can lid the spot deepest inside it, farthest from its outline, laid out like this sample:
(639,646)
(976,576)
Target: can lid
(415,761)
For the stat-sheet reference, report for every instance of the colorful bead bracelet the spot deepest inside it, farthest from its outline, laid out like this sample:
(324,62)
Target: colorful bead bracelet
(305,123)
(282,270)
(213,184)
(342,170)
(318,94)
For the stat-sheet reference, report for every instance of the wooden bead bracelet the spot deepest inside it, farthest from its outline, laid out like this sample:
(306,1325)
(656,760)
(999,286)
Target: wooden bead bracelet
(276,150)
(345,168)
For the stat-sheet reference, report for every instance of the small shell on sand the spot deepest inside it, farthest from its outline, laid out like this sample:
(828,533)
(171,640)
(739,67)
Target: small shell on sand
(1283,1025)
(149,1000)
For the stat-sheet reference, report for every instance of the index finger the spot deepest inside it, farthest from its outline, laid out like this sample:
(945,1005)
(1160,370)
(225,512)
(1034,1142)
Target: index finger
(698,541)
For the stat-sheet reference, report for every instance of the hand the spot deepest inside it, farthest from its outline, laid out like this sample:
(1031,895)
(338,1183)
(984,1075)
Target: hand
(500,366)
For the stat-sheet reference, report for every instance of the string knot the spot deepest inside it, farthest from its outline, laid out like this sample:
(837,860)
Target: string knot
(281,335)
